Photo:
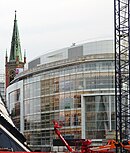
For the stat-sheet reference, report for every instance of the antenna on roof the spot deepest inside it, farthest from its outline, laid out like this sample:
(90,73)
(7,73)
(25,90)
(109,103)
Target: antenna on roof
(73,44)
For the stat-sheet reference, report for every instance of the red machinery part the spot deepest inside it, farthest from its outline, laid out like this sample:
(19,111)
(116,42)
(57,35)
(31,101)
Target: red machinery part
(85,144)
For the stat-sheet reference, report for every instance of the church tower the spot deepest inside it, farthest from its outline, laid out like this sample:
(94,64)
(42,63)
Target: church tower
(15,64)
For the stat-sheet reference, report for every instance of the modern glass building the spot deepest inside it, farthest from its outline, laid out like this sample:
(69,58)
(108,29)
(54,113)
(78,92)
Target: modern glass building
(74,86)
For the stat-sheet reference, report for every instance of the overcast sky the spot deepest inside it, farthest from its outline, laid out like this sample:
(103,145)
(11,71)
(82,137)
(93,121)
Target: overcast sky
(47,25)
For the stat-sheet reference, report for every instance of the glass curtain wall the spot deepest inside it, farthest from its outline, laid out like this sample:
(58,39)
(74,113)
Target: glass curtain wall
(99,115)
(15,107)
(56,95)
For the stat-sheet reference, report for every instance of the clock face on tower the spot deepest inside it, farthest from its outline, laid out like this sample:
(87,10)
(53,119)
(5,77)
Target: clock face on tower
(11,74)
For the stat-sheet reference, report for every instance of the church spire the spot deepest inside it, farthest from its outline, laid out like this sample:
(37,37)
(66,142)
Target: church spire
(14,65)
(15,52)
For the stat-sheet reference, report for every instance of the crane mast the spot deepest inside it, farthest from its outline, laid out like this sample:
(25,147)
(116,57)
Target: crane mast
(122,68)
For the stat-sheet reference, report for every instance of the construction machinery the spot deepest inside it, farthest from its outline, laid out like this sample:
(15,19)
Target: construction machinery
(85,147)
(112,147)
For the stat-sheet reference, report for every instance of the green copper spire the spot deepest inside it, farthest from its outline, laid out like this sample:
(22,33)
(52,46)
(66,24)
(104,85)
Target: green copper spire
(15,52)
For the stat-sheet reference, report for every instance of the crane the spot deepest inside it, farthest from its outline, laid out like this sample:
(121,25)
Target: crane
(122,74)
(122,69)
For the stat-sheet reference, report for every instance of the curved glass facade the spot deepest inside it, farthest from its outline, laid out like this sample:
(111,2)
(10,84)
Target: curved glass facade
(78,93)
